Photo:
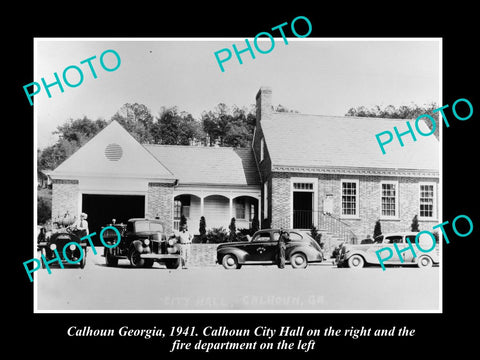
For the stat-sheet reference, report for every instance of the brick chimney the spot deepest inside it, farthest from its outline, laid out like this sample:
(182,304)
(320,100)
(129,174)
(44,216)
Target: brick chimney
(264,103)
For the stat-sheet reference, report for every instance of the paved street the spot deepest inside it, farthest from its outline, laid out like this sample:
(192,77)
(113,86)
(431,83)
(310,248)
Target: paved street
(322,287)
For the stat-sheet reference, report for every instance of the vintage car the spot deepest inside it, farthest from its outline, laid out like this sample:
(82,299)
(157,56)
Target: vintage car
(262,249)
(47,242)
(359,255)
(143,242)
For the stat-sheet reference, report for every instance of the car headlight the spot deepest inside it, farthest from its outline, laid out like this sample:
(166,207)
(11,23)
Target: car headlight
(146,242)
(53,246)
(171,242)
(72,247)
(173,250)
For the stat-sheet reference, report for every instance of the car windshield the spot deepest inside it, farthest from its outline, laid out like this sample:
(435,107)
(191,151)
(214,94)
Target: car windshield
(394,239)
(261,237)
(141,226)
(294,236)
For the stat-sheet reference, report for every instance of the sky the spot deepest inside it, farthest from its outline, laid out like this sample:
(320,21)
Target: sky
(312,75)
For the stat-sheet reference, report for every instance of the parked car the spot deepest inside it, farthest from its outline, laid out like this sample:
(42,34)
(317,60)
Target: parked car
(262,249)
(357,256)
(47,242)
(143,242)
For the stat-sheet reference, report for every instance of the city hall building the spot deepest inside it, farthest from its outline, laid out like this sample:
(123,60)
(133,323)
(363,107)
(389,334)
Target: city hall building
(302,170)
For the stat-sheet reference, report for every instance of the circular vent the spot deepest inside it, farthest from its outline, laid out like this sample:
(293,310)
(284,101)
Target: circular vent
(113,152)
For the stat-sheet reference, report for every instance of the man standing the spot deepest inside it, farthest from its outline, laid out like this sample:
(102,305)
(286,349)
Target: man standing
(83,225)
(185,241)
(281,249)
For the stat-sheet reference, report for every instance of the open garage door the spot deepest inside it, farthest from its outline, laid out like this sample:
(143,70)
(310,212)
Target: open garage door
(101,209)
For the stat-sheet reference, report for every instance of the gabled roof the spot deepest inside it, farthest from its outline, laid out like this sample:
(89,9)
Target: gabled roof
(301,140)
(208,165)
(113,152)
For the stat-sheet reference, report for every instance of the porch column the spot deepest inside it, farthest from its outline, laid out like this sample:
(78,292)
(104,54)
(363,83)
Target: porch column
(230,204)
(201,205)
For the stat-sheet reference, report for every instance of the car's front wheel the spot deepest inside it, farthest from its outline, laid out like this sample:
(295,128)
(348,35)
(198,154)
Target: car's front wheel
(356,262)
(298,261)
(172,264)
(135,259)
(230,261)
(110,259)
(84,260)
(424,262)
(148,263)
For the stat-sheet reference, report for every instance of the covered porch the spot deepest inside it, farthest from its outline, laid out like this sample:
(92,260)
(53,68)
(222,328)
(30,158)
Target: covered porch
(218,208)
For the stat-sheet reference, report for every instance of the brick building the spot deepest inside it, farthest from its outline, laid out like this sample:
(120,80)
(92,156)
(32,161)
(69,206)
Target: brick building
(302,170)
(114,176)
(330,172)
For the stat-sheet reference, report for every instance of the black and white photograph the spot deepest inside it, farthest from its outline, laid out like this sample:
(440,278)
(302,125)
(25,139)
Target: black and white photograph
(235,181)
(296,180)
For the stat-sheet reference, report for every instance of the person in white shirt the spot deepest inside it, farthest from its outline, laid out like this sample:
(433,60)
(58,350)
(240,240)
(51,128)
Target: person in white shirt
(83,224)
(185,241)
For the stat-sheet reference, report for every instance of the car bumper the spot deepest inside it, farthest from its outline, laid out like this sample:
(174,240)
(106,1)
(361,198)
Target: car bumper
(160,256)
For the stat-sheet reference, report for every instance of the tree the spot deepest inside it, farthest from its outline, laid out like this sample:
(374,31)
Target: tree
(225,126)
(233,230)
(79,131)
(407,112)
(137,120)
(71,136)
(415,227)
(176,128)
(229,127)
(377,230)
(214,124)
(44,210)
(202,229)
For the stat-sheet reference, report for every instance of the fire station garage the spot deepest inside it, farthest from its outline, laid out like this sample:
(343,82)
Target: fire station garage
(112,177)
(101,209)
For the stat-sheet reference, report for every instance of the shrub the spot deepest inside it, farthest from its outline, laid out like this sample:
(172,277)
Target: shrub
(217,235)
(316,235)
(44,210)
(255,225)
(414,227)
(233,230)
(377,229)
(202,229)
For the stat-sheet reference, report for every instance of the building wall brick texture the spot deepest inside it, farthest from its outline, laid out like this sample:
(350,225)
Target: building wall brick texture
(160,203)
(64,198)
(369,198)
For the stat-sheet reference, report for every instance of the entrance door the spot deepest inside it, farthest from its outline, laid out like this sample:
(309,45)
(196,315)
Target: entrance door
(302,210)
(101,209)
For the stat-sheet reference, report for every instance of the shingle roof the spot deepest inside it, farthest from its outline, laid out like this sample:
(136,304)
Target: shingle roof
(338,141)
(208,165)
